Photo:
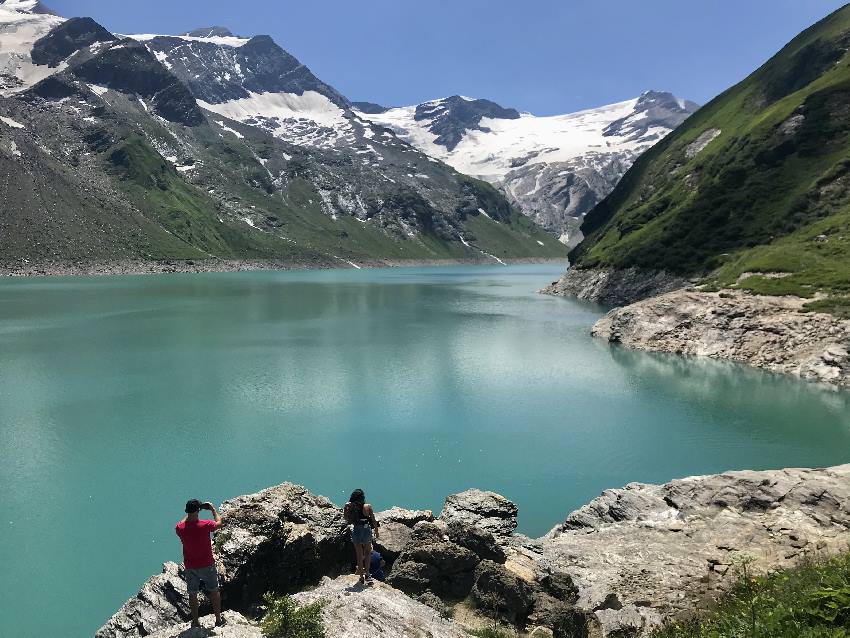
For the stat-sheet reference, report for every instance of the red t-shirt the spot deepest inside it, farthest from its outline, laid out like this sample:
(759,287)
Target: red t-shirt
(197,544)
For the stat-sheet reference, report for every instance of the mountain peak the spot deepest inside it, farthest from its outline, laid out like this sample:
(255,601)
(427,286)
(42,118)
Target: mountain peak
(210,32)
(665,99)
(370,108)
(452,116)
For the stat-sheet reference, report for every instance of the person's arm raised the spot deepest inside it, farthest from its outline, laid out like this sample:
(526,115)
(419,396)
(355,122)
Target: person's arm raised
(216,515)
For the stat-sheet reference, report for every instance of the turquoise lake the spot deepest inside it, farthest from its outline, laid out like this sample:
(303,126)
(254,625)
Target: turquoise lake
(122,397)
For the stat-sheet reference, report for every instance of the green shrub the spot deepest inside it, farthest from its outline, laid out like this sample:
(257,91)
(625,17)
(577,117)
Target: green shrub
(489,633)
(284,619)
(809,601)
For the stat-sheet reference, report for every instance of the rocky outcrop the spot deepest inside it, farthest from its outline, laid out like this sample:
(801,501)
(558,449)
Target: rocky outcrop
(772,333)
(614,287)
(619,566)
(161,602)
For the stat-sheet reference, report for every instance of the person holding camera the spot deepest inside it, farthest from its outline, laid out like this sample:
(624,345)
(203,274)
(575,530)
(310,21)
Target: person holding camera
(198,559)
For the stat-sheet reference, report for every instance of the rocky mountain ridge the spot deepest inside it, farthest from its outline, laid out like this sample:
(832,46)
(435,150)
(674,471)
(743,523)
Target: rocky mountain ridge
(212,147)
(620,566)
(555,168)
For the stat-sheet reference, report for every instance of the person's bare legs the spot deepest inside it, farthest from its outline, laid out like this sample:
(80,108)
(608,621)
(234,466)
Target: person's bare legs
(193,605)
(367,560)
(358,548)
(216,602)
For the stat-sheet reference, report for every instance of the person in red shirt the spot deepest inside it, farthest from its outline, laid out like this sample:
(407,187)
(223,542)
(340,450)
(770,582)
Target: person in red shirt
(198,560)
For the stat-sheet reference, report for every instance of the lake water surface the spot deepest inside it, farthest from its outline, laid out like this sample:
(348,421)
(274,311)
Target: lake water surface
(122,397)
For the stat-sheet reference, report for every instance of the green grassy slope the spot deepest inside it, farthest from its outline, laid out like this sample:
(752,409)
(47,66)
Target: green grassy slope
(771,193)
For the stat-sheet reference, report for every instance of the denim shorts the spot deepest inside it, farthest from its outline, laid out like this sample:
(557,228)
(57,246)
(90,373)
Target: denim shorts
(361,534)
(208,575)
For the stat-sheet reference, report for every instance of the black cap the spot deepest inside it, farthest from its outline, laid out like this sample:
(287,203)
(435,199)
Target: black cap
(193,506)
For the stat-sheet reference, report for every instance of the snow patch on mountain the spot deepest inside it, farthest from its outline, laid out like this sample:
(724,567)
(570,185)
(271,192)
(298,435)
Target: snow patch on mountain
(225,41)
(310,119)
(19,30)
(8,121)
(556,168)
(508,143)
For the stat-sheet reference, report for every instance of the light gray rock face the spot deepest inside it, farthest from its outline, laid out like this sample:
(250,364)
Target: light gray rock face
(699,144)
(557,195)
(614,287)
(766,332)
(375,611)
(644,553)
(404,516)
(236,626)
(161,602)
(487,510)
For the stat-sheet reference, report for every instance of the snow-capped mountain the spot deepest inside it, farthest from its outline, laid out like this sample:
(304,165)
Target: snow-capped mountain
(555,168)
(22,22)
(209,144)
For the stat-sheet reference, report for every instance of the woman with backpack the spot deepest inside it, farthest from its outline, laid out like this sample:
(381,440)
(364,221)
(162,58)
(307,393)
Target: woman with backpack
(361,515)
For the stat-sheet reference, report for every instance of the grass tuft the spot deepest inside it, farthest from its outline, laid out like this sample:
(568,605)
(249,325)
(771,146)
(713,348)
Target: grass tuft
(284,619)
(809,601)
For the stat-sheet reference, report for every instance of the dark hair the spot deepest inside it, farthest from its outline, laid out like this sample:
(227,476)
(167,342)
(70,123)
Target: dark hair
(357,496)
(193,506)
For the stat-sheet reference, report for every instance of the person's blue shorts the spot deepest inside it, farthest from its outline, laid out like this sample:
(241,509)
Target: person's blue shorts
(361,534)
(208,575)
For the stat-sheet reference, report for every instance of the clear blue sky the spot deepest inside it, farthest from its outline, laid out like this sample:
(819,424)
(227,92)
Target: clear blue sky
(543,56)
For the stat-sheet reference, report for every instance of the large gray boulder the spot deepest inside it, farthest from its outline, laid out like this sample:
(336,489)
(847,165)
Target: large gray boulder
(500,591)
(441,567)
(281,539)
(486,510)
(396,530)
(375,611)
(477,540)
(236,626)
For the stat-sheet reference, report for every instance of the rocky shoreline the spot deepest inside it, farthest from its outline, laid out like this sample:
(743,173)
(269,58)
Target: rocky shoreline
(143,267)
(660,313)
(612,287)
(619,566)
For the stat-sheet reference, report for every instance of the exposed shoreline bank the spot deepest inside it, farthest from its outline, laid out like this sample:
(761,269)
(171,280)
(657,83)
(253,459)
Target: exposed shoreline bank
(143,267)
(657,312)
